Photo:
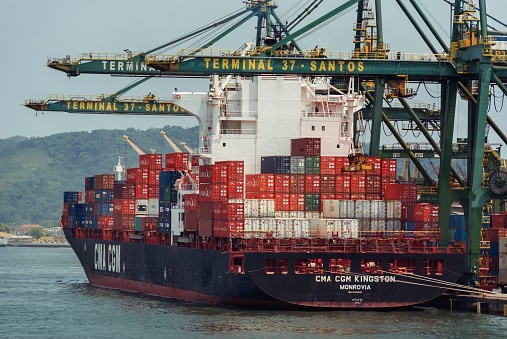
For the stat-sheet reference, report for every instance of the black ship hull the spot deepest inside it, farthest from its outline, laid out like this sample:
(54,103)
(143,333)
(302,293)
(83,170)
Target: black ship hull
(242,279)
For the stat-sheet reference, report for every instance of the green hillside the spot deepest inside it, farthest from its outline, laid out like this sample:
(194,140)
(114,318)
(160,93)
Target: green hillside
(35,172)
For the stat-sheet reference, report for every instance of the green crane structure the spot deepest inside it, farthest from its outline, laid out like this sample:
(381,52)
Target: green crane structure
(466,60)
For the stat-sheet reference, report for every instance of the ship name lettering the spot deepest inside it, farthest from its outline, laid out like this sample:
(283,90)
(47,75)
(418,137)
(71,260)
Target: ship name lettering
(376,278)
(322,278)
(107,258)
(343,278)
(355,287)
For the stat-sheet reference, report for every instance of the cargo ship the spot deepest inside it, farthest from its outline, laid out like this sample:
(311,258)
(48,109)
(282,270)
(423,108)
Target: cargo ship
(277,208)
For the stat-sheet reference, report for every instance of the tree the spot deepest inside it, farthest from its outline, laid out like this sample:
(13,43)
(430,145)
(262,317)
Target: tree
(5,228)
(36,232)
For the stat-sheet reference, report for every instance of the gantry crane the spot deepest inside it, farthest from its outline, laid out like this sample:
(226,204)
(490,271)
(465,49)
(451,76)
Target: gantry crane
(466,61)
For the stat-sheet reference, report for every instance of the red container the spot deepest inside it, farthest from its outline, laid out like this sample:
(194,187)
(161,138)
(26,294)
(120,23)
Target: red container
(357,196)
(104,181)
(340,162)
(89,196)
(117,206)
(205,192)
(327,165)
(235,169)
(252,195)
(419,212)
(497,221)
(327,183)
(154,177)
(195,161)
(342,183)
(130,191)
(282,201)
(409,193)
(434,213)
(142,191)
(297,202)
(207,210)
(389,168)
(233,211)
(342,196)
(220,173)
(150,161)
(117,191)
(220,228)
(235,228)
(252,183)
(282,183)
(305,147)
(206,174)
(492,234)
(176,161)
(393,192)
(297,183)
(312,184)
(357,183)
(267,183)
(219,192)
(235,189)
(191,202)
(205,228)
(153,191)
(191,221)
(267,195)
(373,183)
(105,222)
(138,175)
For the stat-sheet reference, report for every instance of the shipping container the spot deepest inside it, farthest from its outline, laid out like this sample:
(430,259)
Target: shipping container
(282,183)
(362,209)
(327,183)
(327,165)
(305,147)
(275,165)
(235,169)
(297,165)
(393,209)
(141,206)
(312,165)
(71,197)
(347,209)
(297,184)
(267,183)
(251,208)
(191,221)
(150,161)
(252,183)
(312,202)
(312,183)
(205,228)
(206,174)
(267,208)
(176,161)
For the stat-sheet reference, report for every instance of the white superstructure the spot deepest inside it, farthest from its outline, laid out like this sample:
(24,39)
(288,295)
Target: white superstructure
(248,118)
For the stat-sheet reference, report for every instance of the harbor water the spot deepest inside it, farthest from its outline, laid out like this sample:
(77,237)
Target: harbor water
(44,293)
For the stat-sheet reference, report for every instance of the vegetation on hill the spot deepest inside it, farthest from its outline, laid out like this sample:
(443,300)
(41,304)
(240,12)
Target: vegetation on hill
(35,172)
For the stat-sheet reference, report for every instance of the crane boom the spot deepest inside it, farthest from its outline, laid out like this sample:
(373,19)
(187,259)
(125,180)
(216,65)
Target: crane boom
(191,151)
(134,145)
(172,143)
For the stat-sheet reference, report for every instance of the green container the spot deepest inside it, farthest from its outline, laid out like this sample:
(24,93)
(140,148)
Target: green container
(312,165)
(312,202)
(170,194)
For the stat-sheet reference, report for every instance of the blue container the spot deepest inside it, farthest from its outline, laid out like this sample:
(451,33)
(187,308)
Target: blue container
(95,222)
(88,222)
(71,209)
(107,208)
(90,183)
(70,197)
(409,229)
(89,207)
(79,222)
(494,249)
(275,165)
(164,209)
(168,178)
(459,234)
(164,225)
(457,221)
(80,209)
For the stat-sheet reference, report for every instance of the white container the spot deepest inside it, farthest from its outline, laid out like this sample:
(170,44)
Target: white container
(502,245)
(284,228)
(502,276)
(378,209)
(318,228)
(347,209)
(312,215)
(364,225)
(297,214)
(378,225)
(282,214)
(247,228)
(268,226)
(331,209)
(252,208)
(502,261)
(393,225)
(153,207)
(350,228)
(267,208)
(363,209)
(141,206)
(393,209)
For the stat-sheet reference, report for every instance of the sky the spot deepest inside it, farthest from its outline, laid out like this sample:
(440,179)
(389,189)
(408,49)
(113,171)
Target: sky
(32,31)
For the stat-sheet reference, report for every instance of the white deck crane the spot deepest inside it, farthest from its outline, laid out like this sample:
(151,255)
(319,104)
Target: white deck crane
(134,145)
(178,150)
(119,169)
(191,151)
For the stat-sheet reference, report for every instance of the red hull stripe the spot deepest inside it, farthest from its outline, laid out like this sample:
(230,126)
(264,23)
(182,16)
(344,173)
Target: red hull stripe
(176,293)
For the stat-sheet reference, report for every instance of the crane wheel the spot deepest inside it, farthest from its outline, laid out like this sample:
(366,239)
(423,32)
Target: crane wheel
(498,183)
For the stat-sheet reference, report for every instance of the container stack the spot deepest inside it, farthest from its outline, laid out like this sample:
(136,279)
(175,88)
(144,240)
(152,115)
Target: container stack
(73,211)
(168,196)
(493,260)
(457,228)
(221,200)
